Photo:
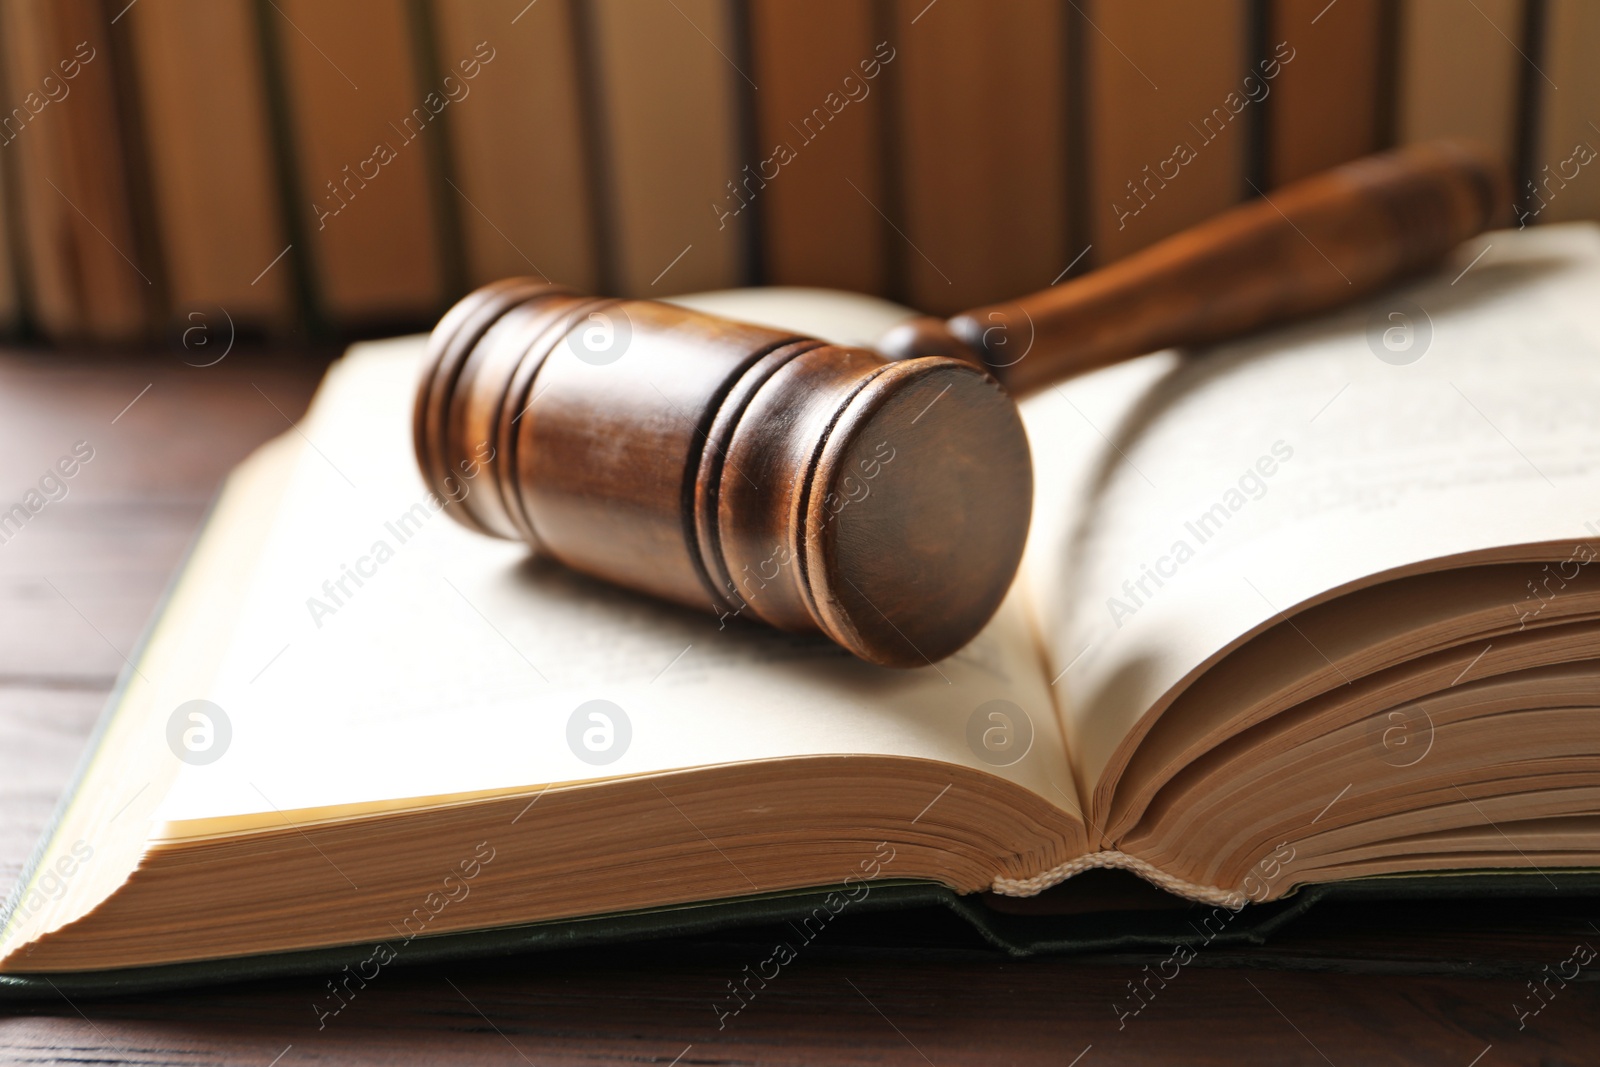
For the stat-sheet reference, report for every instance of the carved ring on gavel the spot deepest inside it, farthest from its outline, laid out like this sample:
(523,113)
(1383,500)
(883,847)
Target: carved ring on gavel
(880,497)
(759,473)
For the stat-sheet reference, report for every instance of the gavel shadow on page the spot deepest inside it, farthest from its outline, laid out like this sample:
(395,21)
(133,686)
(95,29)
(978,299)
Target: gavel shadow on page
(879,496)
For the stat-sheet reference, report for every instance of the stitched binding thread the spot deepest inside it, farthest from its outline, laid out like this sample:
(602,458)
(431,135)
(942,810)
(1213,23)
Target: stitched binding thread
(1233,899)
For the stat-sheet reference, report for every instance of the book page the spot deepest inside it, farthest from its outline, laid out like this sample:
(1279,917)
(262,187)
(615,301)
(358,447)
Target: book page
(131,763)
(387,654)
(1185,502)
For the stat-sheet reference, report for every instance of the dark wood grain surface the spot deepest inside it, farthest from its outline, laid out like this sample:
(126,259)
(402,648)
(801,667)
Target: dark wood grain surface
(1350,984)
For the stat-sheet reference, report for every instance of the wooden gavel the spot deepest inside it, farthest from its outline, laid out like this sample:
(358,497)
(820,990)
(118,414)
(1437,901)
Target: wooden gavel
(882,496)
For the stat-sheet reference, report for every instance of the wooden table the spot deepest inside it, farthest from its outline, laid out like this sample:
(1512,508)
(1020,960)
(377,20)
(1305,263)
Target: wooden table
(1348,985)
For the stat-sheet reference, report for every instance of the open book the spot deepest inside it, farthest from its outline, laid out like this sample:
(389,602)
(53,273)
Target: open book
(1317,606)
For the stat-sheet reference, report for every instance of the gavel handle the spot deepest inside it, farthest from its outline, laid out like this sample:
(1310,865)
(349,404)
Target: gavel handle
(1308,247)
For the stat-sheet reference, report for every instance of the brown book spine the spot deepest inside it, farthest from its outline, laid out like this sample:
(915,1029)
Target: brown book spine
(11,294)
(516,142)
(982,138)
(1565,168)
(1166,118)
(1459,71)
(820,133)
(1325,108)
(91,276)
(676,190)
(218,211)
(360,121)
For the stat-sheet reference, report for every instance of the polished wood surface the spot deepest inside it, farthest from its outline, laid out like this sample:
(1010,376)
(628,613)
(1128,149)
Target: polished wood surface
(732,468)
(1311,246)
(1415,983)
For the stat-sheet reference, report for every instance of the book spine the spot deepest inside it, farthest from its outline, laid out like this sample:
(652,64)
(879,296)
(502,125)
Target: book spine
(361,182)
(11,273)
(217,213)
(1458,74)
(1564,170)
(92,278)
(982,139)
(1325,107)
(820,130)
(14,268)
(677,192)
(1167,117)
(520,181)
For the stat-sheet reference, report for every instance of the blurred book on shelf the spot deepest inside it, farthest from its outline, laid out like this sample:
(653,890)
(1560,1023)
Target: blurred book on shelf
(89,272)
(322,172)
(217,209)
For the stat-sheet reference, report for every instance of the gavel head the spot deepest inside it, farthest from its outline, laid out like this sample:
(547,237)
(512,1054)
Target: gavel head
(733,468)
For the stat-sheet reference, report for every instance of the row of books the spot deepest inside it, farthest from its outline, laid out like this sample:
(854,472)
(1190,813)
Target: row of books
(326,170)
